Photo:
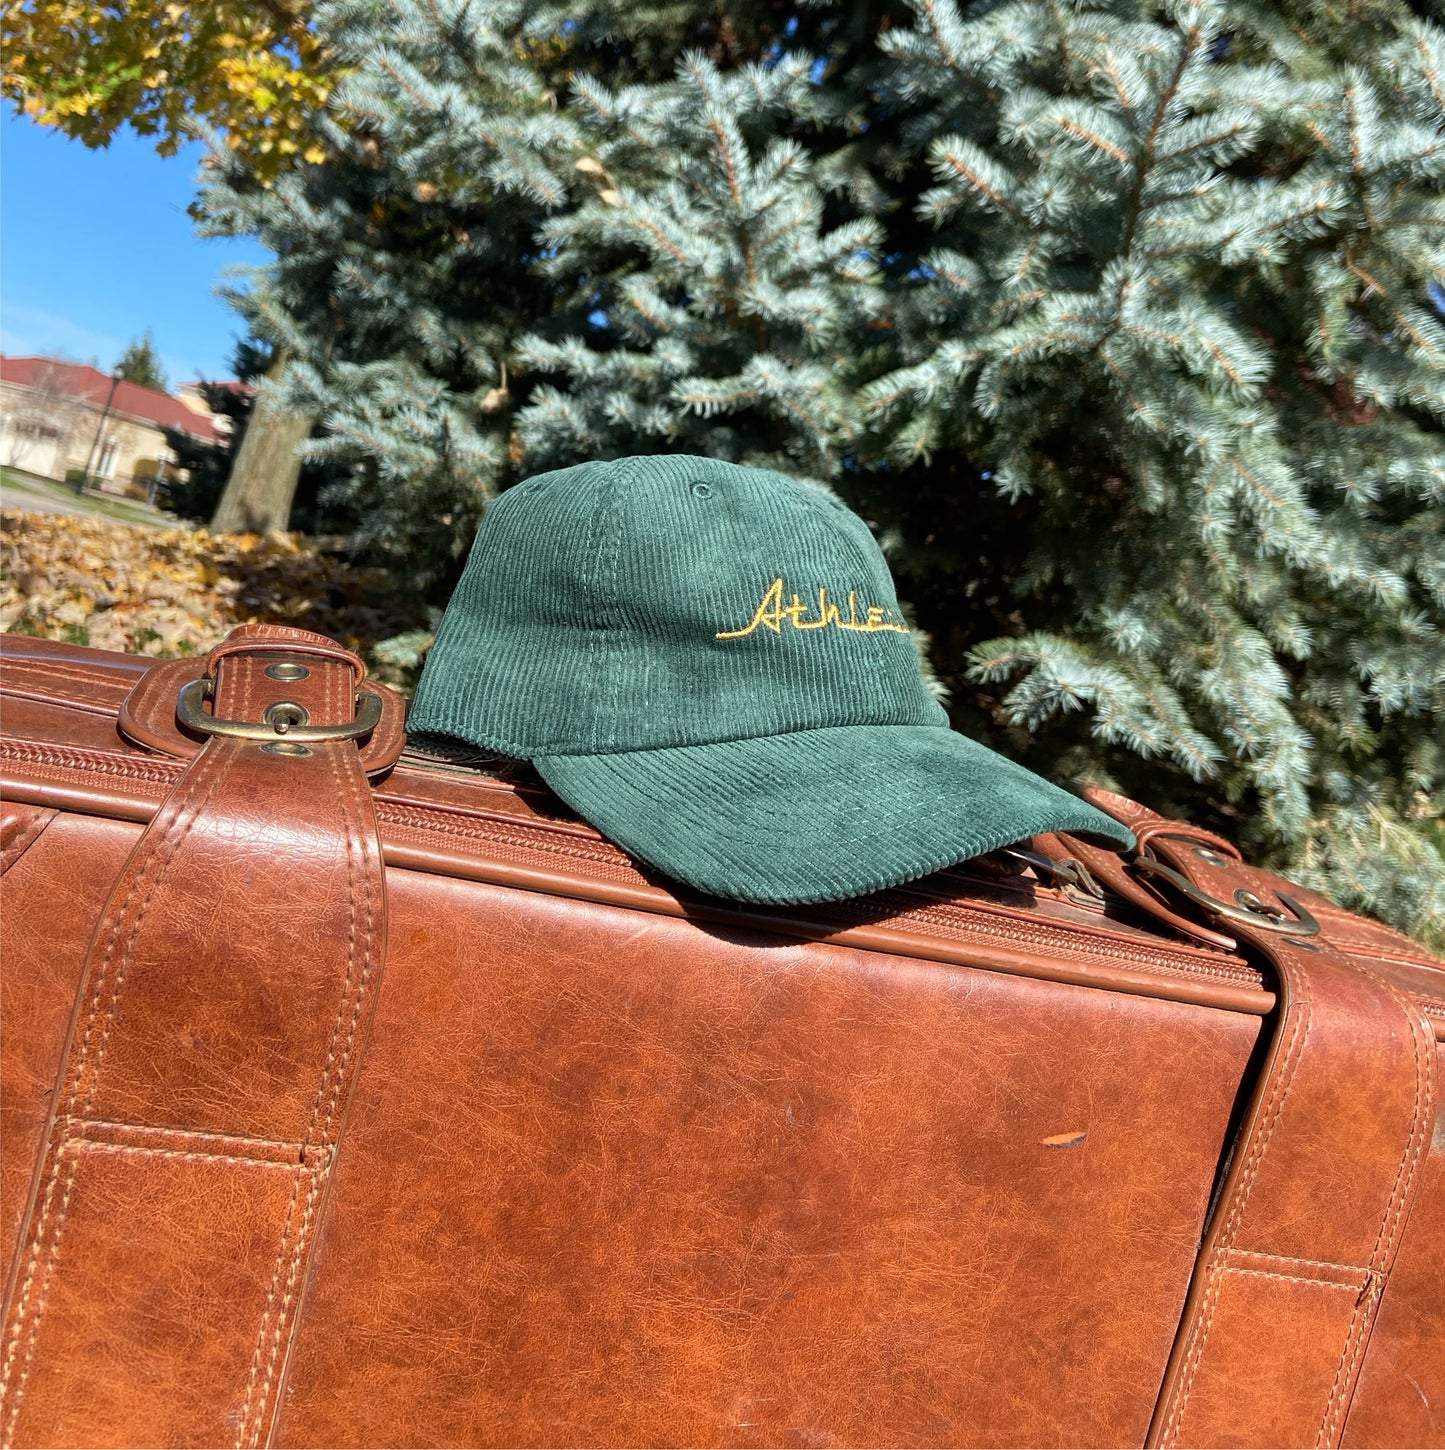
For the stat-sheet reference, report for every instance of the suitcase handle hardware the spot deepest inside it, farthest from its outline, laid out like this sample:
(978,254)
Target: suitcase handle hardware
(284,720)
(1249,908)
(1068,871)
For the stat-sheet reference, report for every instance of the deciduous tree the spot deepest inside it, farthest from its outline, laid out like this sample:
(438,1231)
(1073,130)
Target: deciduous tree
(252,69)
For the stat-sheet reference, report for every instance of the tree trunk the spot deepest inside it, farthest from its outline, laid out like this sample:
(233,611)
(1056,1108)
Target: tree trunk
(262,485)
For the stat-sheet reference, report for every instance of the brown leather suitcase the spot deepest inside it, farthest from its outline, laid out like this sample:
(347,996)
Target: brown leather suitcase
(358,1097)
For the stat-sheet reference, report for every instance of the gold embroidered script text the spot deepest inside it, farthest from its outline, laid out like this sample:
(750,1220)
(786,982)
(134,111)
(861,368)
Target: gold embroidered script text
(773,614)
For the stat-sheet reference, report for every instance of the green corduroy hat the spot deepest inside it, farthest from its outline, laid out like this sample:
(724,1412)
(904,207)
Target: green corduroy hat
(708,663)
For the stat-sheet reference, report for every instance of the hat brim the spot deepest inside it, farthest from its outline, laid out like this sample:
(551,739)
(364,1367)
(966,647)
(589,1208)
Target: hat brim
(818,815)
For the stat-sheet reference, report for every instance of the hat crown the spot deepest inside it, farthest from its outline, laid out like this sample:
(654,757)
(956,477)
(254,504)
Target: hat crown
(664,601)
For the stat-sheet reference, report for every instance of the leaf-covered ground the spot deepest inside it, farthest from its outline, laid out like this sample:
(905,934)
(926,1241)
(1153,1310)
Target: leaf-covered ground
(88,581)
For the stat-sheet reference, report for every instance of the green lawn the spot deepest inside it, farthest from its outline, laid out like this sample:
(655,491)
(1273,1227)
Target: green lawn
(27,491)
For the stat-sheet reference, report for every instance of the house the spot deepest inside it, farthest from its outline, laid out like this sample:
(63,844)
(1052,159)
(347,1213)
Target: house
(62,419)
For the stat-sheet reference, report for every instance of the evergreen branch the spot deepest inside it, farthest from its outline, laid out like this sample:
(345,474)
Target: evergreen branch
(1141,411)
(417,99)
(720,136)
(1110,67)
(1356,161)
(661,238)
(1047,342)
(636,303)
(1022,300)
(1232,132)
(1228,368)
(1189,44)
(707,402)
(1261,488)
(1431,75)
(930,9)
(954,277)
(1067,123)
(956,164)
(1401,321)
(795,223)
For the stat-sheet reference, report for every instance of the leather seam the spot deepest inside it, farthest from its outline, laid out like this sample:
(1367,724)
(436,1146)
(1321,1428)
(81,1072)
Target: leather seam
(50,671)
(333,1073)
(20,690)
(356,820)
(287,1248)
(296,1254)
(1100,948)
(296,1250)
(1361,1269)
(32,831)
(281,1253)
(196,800)
(76,1146)
(160,857)
(1355,1341)
(80,1124)
(1391,1222)
(248,685)
(1366,1274)
(1274,1108)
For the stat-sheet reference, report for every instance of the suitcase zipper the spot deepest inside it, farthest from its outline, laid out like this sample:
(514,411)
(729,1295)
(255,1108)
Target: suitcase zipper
(59,775)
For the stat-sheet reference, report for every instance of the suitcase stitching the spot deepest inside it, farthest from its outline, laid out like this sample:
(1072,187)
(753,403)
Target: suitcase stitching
(1293,1052)
(355,819)
(1295,1278)
(1286,1259)
(265,1324)
(295,1251)
(75,1146)
(205,1133)
(172,845)
(1390,1225)
(286,1246)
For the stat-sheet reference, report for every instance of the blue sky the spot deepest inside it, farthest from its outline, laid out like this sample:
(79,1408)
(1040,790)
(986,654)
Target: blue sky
(96,247)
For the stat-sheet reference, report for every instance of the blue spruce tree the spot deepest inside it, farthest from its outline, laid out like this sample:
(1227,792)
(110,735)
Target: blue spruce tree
(1120,321)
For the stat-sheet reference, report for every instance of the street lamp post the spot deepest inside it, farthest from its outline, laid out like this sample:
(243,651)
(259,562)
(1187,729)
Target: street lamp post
(84,478)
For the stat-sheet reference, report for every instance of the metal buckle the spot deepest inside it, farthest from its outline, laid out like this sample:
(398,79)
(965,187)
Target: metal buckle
(1248,910)
(284,720)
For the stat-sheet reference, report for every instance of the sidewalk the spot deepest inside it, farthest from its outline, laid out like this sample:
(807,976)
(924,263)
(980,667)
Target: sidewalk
(41,496)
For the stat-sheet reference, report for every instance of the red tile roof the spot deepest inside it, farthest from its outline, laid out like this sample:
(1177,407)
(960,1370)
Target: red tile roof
(89,384)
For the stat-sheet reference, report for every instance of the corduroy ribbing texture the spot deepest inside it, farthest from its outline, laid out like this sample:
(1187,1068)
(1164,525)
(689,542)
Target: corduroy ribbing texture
(624,574)
(709,663)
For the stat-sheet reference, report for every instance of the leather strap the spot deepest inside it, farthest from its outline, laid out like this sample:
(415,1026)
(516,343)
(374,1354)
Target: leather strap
(148,714)
(1111,869)
(218,1032)
(1322,1177)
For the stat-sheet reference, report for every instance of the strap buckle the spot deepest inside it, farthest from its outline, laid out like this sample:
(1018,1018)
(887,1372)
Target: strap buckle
(283,721)
(1247,909)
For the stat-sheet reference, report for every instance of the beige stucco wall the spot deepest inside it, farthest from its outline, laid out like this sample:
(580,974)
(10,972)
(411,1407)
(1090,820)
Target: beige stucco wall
(48,433)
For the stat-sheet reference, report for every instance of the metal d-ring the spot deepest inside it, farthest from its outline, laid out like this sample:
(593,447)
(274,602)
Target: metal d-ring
(284,720)
(1260,916)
